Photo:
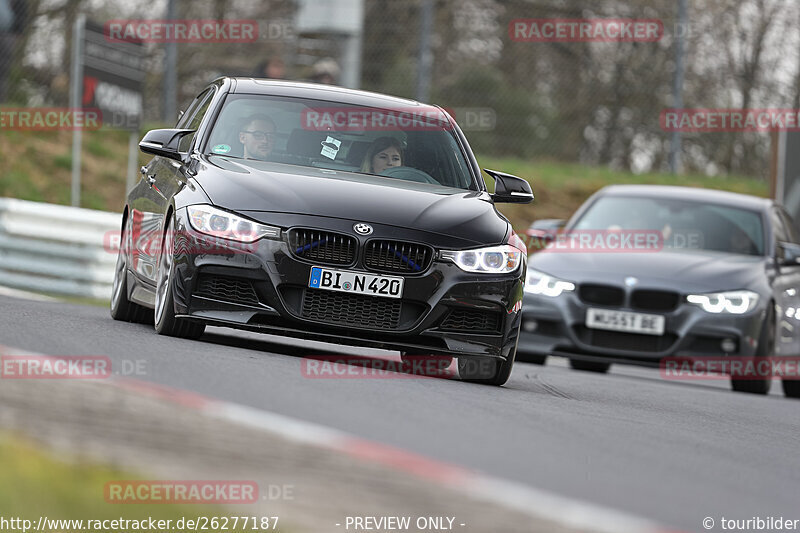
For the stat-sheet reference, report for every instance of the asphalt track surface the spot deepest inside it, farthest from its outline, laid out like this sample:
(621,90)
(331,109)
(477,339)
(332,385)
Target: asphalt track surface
(672,452)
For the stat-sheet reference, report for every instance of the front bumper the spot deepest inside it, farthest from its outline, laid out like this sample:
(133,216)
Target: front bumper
(557,326)
(263,287)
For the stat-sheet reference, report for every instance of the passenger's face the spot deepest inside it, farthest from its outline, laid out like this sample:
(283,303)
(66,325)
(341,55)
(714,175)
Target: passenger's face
(390,157)
(258,139)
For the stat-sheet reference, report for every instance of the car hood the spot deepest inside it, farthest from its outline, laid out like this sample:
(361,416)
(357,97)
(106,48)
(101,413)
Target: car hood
(686,271)
(258,187)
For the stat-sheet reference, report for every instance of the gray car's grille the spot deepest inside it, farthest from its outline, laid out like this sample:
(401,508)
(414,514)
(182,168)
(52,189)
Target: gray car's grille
(601,295)
(650,300)
(397,256)
(323,247)
(351,309)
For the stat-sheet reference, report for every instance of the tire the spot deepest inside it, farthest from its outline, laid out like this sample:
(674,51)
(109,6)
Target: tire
(791,388)
(486,370)
(534,358)
(590,366)
(165,321)
(121,308)
(766,348)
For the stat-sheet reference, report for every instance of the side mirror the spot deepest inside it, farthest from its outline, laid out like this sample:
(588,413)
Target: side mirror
(510,189)
(547,224)
(788,254)
(164,143)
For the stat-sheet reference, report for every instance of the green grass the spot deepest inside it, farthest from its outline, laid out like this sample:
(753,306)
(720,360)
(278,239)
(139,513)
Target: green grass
(34,483)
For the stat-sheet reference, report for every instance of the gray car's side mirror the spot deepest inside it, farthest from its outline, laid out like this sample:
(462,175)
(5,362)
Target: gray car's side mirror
(164,143)
(788,254)
(510,189)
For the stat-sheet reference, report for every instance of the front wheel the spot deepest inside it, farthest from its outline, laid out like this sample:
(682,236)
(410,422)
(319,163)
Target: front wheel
(791,388)
(766,348)
(166,322)
(589,366)
(121,307)
(536,359)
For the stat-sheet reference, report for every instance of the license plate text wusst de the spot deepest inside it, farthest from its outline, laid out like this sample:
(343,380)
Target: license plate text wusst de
(356,282)
(612,320)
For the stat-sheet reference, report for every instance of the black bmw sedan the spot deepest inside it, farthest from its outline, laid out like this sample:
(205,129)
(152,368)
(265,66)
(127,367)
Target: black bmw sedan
(648,273)
(324,213)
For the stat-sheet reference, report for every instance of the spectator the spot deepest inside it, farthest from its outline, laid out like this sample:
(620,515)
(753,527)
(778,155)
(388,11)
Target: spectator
(325,71)
(273,68)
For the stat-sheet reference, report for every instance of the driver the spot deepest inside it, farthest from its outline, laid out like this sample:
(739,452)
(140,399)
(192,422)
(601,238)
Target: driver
(257,135)
(384,153)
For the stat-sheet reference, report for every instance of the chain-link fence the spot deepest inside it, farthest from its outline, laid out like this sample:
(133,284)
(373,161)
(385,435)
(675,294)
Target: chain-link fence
(531,93)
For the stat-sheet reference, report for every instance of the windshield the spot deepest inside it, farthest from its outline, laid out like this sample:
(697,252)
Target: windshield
(683,224)
(416,144)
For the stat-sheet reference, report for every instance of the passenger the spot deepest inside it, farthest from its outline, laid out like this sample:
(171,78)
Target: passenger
(257,135)
(384,153)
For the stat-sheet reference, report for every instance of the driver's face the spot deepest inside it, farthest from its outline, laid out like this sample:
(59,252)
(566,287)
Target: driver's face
(257,138)
(384,159)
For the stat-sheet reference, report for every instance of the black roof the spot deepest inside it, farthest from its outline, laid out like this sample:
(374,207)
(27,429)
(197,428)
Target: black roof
(744,201)
(316,91)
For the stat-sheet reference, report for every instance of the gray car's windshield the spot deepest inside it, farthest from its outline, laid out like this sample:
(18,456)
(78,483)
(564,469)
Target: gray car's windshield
(415,144)
(683,224)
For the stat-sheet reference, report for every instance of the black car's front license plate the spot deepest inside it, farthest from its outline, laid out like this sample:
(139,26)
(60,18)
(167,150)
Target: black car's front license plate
(356,282)
(625,321)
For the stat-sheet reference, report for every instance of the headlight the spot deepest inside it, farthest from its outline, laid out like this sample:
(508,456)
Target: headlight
(493,260)
(733,302)
(219,223)
(543,284)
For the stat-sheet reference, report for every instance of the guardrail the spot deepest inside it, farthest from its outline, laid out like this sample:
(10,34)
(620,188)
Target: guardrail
(57,249)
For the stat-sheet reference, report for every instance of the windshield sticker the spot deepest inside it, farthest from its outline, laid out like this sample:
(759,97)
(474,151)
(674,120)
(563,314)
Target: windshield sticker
(221,149)
(330,147)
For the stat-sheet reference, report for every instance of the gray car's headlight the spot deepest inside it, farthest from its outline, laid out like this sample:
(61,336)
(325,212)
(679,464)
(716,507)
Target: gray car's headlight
(732,302)
(543,284)
(492,260)
(225,225)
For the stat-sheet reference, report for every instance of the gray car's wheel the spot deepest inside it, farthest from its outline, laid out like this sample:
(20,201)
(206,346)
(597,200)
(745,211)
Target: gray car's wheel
(590,366)
(121,308)
(791,388)
(766,348)
(534,358)
(166,322)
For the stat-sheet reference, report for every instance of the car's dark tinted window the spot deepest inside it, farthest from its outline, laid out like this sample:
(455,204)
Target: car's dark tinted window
(336,136)
(683,224)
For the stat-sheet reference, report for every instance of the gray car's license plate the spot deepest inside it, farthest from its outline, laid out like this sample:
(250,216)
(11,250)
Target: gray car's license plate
(609,319)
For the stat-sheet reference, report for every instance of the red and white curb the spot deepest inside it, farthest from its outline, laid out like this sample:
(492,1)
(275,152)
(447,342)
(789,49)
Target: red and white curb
(537,503)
